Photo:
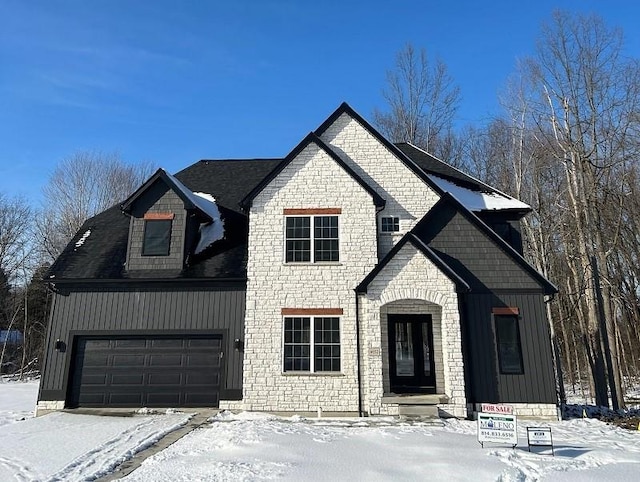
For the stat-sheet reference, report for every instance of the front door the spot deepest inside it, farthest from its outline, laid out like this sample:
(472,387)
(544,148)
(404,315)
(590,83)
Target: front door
(411,353)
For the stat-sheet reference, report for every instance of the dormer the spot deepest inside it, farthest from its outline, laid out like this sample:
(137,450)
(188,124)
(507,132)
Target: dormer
(168,224)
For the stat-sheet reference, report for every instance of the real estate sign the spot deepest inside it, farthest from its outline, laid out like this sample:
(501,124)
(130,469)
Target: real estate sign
(497,428)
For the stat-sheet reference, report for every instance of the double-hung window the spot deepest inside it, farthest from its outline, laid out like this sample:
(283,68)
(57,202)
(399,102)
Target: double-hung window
(312,239)
(312,344)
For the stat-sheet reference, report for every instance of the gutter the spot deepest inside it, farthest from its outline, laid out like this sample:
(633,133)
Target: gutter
(360,410)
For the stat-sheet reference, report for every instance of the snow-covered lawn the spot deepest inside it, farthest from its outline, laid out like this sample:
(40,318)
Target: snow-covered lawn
(251,446)
(62,446)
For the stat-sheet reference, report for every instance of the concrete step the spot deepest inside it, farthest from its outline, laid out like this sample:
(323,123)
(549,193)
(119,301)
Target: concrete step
(423,411)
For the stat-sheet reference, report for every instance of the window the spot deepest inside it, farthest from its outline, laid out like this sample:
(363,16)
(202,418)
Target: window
(508,342)
(300,245)
(157,237)
(390,224)
(308,350)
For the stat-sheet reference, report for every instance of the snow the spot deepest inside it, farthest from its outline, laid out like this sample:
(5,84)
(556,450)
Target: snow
(257,446)
(65,446)
(478,200)
(209,232)
(213,231)
(83,238)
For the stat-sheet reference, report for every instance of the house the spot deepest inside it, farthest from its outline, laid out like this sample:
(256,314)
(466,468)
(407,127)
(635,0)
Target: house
(352,276)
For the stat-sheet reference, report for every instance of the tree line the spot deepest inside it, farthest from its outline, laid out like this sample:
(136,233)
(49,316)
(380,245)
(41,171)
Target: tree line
(31,238)
(568,144)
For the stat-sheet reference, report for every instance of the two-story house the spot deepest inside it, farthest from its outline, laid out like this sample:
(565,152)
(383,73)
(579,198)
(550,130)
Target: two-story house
(352,276)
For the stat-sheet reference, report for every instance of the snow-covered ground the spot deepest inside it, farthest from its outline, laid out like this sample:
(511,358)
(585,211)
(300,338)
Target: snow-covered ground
(251,446)
(62,446)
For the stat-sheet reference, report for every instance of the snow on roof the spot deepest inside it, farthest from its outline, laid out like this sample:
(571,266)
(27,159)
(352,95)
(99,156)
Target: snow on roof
(205,202)
(213,231)
(83,238)
(478,200)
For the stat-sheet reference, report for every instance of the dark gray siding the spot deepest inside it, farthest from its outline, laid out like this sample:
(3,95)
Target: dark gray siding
(486,384)
(158,199)
(475,256)
(120,311)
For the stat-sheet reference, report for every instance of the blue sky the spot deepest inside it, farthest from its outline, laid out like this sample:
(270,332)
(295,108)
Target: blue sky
(172,82)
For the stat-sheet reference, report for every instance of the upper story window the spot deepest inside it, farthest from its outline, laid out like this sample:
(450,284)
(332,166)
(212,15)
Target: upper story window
(311,239)
(157,237)
(390,224)
(508,343)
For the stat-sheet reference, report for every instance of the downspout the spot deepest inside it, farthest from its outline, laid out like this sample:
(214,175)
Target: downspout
(360,411)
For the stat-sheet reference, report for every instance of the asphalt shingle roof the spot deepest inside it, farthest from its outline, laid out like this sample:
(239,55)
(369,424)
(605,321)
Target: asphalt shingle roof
(103,253)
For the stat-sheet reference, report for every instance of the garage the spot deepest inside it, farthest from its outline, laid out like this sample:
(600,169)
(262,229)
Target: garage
(146,371)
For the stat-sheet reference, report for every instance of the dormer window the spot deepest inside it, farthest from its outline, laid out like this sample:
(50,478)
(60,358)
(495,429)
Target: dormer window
(157,237)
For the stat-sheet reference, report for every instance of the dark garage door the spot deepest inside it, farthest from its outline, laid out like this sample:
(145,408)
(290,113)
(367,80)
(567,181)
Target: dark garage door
(150,371)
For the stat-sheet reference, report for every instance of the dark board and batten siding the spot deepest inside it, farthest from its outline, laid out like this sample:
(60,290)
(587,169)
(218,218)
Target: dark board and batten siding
(537,383)
(197,310)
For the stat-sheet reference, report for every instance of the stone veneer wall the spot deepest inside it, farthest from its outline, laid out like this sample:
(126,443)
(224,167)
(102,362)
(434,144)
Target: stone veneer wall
(312,180)
(411,276)
(406,195)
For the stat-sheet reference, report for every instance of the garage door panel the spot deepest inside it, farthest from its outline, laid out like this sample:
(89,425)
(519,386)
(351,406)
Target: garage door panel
(174,379)
(160,371)
(130,343)
(126,361)
(127,379)
(203,360)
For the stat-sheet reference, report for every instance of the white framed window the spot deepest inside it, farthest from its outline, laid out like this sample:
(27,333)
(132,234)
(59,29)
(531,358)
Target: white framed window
(389,224)
(312,239)
(311,344)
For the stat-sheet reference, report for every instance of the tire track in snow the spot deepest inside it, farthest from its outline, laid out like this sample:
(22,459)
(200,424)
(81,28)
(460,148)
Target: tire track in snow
(21,472)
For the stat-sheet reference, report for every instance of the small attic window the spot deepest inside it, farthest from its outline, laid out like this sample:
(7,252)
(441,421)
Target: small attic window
(157,237)
(390,224)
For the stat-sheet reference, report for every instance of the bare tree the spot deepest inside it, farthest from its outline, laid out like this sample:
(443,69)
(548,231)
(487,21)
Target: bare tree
(15,219)
(422,101)
(582,108)
(81,186)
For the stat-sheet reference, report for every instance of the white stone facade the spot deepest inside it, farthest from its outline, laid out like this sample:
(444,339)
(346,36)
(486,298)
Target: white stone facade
(407,196)
(311,181)
(411,283)
(315,181)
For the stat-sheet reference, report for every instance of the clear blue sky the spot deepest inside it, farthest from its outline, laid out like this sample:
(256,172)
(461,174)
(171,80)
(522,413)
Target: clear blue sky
(173,82)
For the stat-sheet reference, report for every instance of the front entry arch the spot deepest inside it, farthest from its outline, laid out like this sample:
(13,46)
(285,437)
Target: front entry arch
(411,353)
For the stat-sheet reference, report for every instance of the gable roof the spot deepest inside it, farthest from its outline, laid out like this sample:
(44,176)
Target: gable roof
(430,228)
(460,283)
(311,138)
(345,108)
(190,199)
(433,171)
(102,254)
(424,237)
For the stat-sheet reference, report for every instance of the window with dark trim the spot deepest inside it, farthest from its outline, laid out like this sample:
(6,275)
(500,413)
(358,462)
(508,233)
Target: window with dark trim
(312,350)
(304,245)
(389,224)
(508,344)
(157,237)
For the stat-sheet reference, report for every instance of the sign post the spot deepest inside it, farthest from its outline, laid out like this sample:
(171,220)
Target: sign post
(497,424)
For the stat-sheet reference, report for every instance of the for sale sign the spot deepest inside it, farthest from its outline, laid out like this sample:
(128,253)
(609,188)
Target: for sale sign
(497,428)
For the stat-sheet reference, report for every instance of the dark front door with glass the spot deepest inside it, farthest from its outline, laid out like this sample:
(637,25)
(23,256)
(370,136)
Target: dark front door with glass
(411,353)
